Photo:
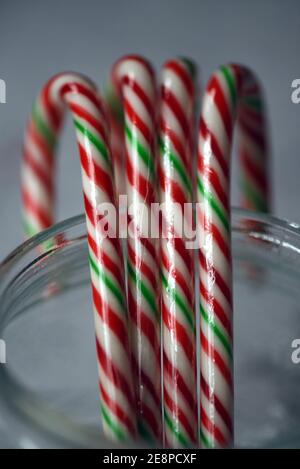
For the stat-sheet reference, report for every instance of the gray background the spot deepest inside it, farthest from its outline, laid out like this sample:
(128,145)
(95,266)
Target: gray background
(40,38)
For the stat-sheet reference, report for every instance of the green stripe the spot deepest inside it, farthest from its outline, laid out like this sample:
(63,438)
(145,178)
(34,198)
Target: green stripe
(114,103)
(108,282)
(173,161)
(254,102)
(28,228)
(144,154)
(30,231)
(144,290)
(190,65)
(180,437)
(217,331)
(112,425)
(204,440)
(251,194)
(180,302)
(230,82)
(101,147)
(144,432)
(214,205)
(43,128)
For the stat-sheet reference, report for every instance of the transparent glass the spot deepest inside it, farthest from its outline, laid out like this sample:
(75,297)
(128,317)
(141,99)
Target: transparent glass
(48,386)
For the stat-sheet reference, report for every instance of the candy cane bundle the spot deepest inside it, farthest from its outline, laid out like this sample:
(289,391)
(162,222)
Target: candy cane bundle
(146,124)
(112,338)
(232,93)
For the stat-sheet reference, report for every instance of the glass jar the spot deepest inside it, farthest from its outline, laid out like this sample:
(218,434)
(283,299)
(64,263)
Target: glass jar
(48,385)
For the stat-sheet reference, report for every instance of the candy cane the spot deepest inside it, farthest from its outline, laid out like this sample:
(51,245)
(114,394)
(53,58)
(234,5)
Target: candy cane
(116,118)
(133,79)
(232,93)
(177,261)
(105,257)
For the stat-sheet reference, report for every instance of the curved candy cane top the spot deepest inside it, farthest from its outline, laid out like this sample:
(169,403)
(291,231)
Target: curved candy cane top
(81,97)
(232,96)
(134,82)
(234,92)
(38,171)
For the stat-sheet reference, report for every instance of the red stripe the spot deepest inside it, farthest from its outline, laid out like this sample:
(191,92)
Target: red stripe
(177,413)
(146,328)
(135,58)
(216,93)
(95,123)
(92,215)
(96,174)
(179,334)
(188,289)
(54,114)
(141,267)
(107,262)
(45,220)
(177,381)
(179,69)
(139,182)
(254,117)
(213,399)
(151,420)
(258,174)
(113,373)
(136,88)
(149,244)
(214,355)
(212,428)
(256,135)
(211,140)
(145,325)
(207,172)
(146,382)
(45,177)
(136,121)
(217,309)
(33,134)
(177,144)
(217,237)
(78,88)
(172,188)
(171,101)
(215,275)
(111,319)
(117,410)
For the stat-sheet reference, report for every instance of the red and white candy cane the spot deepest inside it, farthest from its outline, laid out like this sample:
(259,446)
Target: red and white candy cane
(80,96)
(133,79)
(233,94)
(177,260)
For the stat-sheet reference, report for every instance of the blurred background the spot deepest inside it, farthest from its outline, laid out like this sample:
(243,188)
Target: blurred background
(40,38)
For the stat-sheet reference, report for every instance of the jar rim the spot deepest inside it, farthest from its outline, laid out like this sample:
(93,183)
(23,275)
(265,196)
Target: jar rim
(77,220)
